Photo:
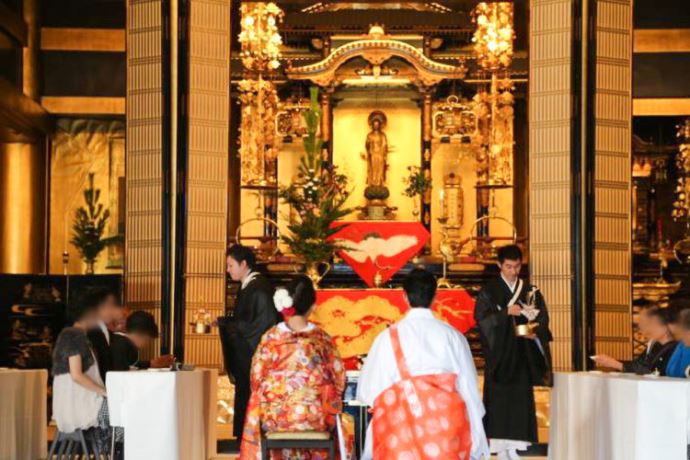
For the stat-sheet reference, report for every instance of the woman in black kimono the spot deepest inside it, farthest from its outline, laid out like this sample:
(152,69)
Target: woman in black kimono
(513,364)
(653,323)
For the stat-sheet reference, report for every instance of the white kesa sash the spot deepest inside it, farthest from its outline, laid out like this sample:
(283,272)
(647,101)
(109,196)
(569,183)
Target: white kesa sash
(516,294)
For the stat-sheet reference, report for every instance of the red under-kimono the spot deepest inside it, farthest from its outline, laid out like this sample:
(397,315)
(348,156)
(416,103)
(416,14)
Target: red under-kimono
(297,381)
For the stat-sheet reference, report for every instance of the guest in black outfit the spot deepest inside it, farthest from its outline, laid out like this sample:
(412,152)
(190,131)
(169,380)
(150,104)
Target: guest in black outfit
(254,314)
(109,310)
(125,347)
(654,325)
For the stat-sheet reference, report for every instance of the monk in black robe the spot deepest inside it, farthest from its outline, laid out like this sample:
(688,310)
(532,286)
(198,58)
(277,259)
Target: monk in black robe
(513,364)
(241,333)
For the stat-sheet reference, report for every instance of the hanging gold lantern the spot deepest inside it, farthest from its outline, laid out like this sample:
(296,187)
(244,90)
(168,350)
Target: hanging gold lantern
(493,39)
(259,37)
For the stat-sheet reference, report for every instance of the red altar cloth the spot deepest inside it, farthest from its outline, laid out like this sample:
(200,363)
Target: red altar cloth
(379,246)
(354,317)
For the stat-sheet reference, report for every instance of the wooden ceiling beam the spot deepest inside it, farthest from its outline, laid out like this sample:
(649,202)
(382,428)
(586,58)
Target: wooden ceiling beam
(21,115)
(13,25)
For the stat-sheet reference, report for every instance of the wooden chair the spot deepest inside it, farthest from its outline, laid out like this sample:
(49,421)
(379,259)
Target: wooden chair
(74,445)
(297,440)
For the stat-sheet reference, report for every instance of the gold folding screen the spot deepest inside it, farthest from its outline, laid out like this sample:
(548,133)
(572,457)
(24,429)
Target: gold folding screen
(208,110)
(144,174)
(550,177)
(612,178)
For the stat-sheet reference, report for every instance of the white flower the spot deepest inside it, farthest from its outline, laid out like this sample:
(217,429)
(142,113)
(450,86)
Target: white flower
(282,299)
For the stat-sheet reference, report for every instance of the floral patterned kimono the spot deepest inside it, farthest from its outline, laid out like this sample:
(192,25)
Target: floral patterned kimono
(297,382)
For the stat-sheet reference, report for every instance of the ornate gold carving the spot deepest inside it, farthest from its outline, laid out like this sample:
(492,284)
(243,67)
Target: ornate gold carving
(259,37)
(257,131)
(376,49)
(681,206)
(290,119)
(455,119)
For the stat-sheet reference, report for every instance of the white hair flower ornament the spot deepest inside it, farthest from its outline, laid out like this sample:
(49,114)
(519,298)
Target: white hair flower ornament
(283,303)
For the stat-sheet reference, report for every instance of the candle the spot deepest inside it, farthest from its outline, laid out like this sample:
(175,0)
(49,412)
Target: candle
(442,202)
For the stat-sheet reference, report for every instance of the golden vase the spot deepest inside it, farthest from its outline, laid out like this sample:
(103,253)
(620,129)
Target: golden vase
(311,269)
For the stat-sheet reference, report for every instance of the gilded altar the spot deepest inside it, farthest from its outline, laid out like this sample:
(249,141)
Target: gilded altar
(386,109)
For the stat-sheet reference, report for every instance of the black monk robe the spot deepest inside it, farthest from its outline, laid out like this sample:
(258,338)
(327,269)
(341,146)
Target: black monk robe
(513,365)
(253,315)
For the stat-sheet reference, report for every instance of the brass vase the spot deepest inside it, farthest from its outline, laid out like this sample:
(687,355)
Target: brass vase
(311,269)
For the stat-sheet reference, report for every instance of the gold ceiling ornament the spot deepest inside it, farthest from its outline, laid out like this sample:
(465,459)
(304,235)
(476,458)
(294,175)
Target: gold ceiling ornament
(259,37)
(493,39)
(258,143)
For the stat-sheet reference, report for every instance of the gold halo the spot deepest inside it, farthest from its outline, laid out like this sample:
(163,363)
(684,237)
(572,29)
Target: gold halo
(377,115)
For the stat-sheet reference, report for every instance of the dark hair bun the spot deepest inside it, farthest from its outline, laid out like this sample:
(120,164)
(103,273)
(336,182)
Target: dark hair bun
(303,294)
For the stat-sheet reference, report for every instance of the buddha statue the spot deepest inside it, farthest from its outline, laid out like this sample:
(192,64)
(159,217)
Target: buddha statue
(377,150)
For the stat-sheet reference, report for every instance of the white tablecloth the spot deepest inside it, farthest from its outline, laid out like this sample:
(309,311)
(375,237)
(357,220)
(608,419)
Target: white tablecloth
(598,416)
(165,414)
(23,414)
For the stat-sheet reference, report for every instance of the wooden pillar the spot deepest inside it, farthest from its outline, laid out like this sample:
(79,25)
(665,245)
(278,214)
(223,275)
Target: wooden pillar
(24,174)
(206,195)
(611,118)
(146,168)
(580,177)
(551,181)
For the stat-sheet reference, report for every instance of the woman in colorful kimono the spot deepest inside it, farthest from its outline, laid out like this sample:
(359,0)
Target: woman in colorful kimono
(297,377)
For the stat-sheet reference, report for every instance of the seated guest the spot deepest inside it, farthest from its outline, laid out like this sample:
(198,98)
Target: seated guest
(679,363)
(109,312)
(78,390)
(425,356)
(654,325)
(141,329)
(297,377)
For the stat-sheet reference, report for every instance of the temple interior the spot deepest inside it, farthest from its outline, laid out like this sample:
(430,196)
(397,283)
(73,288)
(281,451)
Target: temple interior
(440,131)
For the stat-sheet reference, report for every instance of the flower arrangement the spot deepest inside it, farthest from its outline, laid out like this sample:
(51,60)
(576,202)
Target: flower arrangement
(202,321)
(89,226)
(416,182)
(317,196)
